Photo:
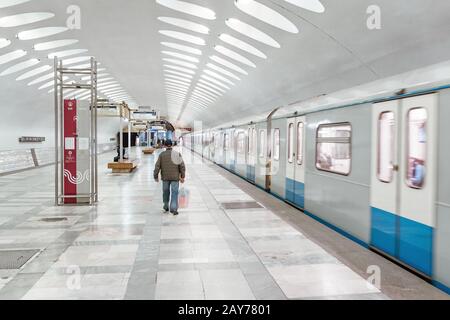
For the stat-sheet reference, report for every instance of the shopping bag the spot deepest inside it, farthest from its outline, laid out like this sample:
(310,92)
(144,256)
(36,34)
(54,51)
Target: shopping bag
(183,198)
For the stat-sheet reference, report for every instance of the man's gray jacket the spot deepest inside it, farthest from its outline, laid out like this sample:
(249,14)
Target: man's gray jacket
(171,165)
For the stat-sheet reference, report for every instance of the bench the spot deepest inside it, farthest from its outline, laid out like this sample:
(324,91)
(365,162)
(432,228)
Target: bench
(148,151)
(123,167)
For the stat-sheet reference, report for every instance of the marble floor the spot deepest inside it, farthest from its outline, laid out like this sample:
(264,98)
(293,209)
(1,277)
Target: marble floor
(127,248)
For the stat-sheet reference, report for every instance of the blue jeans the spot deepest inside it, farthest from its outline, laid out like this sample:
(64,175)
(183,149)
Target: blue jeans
(170,193)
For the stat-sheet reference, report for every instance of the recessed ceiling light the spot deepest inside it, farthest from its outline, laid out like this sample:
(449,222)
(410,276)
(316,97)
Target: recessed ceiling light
(34,72)
(222,71)
(4,43)
(179,69)
(203,86)
(228,64)
(183,36)
(176,90)
(181,47)
(198,89)
(234,55)
(181,63)
(181,74)
(215,81)
(180,83)
(311,5)
(186,24)
(241,45)
(265,14)
(209,84)
(24,18)
(251,32)
(181,56)
(177,84)
(197,101)
(10,3)
(173,86)
(199,94)
(11,56)
(198,98)
(54,44)
(171,76)
(218,76)
(66,53)
(20,66)
(40,33)
(75,60)
(189,8)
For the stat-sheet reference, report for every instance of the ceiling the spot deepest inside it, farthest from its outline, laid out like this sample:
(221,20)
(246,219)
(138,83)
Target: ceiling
(332,51)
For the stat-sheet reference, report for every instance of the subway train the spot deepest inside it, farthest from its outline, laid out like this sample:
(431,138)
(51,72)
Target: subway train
(377,171)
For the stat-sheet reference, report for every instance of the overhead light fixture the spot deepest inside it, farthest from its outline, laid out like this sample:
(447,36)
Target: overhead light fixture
(40,33)
(209,84)
(265,14)
(234,55)
(203,97)
(183,37)
(171,76)
(34,72)
(207,93)
(54,44)
(208,78)
(235,42)
(223,71)
(177,85)
(24,19)
(42,79)
(210,89)
(251,32)
(180,63)
(177,68)
(11,56)
(185,24)
(228,64)
(4,43)
(181,74)
(311,5)
(10,3)
(218,76)
(188,8)
(181,56)
(66,53)
(181,47)
(20,66)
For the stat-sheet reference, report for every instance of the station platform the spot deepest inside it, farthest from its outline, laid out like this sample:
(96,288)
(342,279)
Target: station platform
(231,241)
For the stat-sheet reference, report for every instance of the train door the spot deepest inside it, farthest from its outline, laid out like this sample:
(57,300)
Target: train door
(252,152)
(404,179)
(261,159)
(295,167)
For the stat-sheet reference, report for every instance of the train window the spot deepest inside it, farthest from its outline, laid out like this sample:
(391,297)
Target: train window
(262,143)
(291,143)
(300,134)
(386,146)
(334,148)
(417,147)
(276,144)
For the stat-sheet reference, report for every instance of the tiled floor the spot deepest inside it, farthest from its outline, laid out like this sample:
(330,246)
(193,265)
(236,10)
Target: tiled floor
(126,248)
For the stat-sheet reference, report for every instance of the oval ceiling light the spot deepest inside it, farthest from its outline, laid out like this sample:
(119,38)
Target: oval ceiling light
(66,53)
(241,45)
(229,65)
(20,66)
(234,55)
(4,43)
(40,33)
(178,74)
(189,71)
(181,63)
(185,24)
(188,8)
(265,14)
(176,86)
(24,19)
(198,102)
(210,85)
(171,76)
(223,71)
(181,56)
(54,44)
(183,37)
(208,93)
(251,32)
(208,78)
(10,3)
(203,98)
(181,47)
(218,77)
(203,86)
(311,5)
(11,56)
(34,72)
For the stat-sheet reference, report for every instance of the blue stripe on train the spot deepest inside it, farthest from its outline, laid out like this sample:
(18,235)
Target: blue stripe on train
(415,240)
(295,192)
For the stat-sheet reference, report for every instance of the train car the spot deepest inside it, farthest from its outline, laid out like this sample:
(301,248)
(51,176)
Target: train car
(367,170)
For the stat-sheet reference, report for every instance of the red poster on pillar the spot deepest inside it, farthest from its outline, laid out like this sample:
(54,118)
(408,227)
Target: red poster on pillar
(70,149)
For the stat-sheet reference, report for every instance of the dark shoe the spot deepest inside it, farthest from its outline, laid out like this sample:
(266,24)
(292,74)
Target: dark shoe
(175,213)
(166,210)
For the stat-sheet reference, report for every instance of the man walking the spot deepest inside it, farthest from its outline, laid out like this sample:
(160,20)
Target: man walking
(173,171)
